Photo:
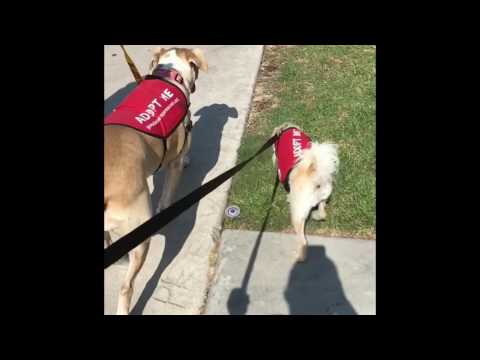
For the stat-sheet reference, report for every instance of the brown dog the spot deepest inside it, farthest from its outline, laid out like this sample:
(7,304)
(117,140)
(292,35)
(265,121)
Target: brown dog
(132,156)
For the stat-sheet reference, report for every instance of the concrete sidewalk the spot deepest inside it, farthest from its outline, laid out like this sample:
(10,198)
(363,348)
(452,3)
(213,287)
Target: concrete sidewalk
(338,277)
(175,276)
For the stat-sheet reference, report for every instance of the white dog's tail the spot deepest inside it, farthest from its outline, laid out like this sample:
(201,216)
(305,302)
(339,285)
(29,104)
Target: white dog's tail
(324,158)
(319,164)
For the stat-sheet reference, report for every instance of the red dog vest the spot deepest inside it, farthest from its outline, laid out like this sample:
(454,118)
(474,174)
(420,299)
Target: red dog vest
(155,107)
(288,150)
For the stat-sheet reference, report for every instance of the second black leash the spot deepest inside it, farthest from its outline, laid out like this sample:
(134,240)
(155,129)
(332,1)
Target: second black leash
(134,238)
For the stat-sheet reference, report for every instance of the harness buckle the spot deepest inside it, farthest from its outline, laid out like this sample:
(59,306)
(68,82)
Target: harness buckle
(179,78)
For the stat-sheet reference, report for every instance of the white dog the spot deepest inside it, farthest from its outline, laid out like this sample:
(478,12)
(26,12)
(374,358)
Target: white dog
(307,171)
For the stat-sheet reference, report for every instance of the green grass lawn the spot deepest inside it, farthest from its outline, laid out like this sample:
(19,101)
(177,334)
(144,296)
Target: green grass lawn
(330,92)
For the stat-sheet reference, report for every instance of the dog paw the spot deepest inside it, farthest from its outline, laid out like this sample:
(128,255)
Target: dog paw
(122,310)
(319,214)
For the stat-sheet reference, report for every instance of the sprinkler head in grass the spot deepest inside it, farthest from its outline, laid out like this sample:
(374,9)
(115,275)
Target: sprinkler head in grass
(232,211)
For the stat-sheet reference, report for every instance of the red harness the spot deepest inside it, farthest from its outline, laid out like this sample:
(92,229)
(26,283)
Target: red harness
(288,150)
(155,107)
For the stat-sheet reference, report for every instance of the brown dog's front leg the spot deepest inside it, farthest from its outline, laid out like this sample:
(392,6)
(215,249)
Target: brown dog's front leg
(172,178)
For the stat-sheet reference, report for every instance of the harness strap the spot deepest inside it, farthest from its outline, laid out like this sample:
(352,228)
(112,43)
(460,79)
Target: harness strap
(188,125)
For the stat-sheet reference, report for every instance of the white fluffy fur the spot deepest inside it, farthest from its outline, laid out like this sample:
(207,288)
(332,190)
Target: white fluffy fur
(324,158)
(307,195)
(311,184)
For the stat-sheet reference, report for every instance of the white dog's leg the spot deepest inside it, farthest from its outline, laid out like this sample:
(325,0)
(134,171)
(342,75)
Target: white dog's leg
(320,213)
(138,213)
(299,225)
(299,210)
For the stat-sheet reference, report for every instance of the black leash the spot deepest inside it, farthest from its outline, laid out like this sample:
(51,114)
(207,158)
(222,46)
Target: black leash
(134,238)
(239,300)
(259,238)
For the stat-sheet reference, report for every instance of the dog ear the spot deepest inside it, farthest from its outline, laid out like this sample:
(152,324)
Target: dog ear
(198,59)
(157,53)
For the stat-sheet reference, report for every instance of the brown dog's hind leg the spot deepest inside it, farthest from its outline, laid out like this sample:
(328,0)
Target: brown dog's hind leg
(136,260)
(136,214)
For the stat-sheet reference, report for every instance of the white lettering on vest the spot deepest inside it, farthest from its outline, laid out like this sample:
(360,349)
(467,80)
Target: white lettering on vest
(142,117)
(162,114)
(149,112)
(156,102)
(166,95)
(297,147)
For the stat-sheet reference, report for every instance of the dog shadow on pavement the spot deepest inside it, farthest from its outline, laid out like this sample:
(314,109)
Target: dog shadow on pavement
(116,98)
(314,287)
(204,154)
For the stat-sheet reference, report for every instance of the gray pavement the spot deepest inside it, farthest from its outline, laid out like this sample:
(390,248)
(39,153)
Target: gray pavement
(338,277)
(175,277)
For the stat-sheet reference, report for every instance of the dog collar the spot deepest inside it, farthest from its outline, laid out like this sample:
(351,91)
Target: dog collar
(171,75)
